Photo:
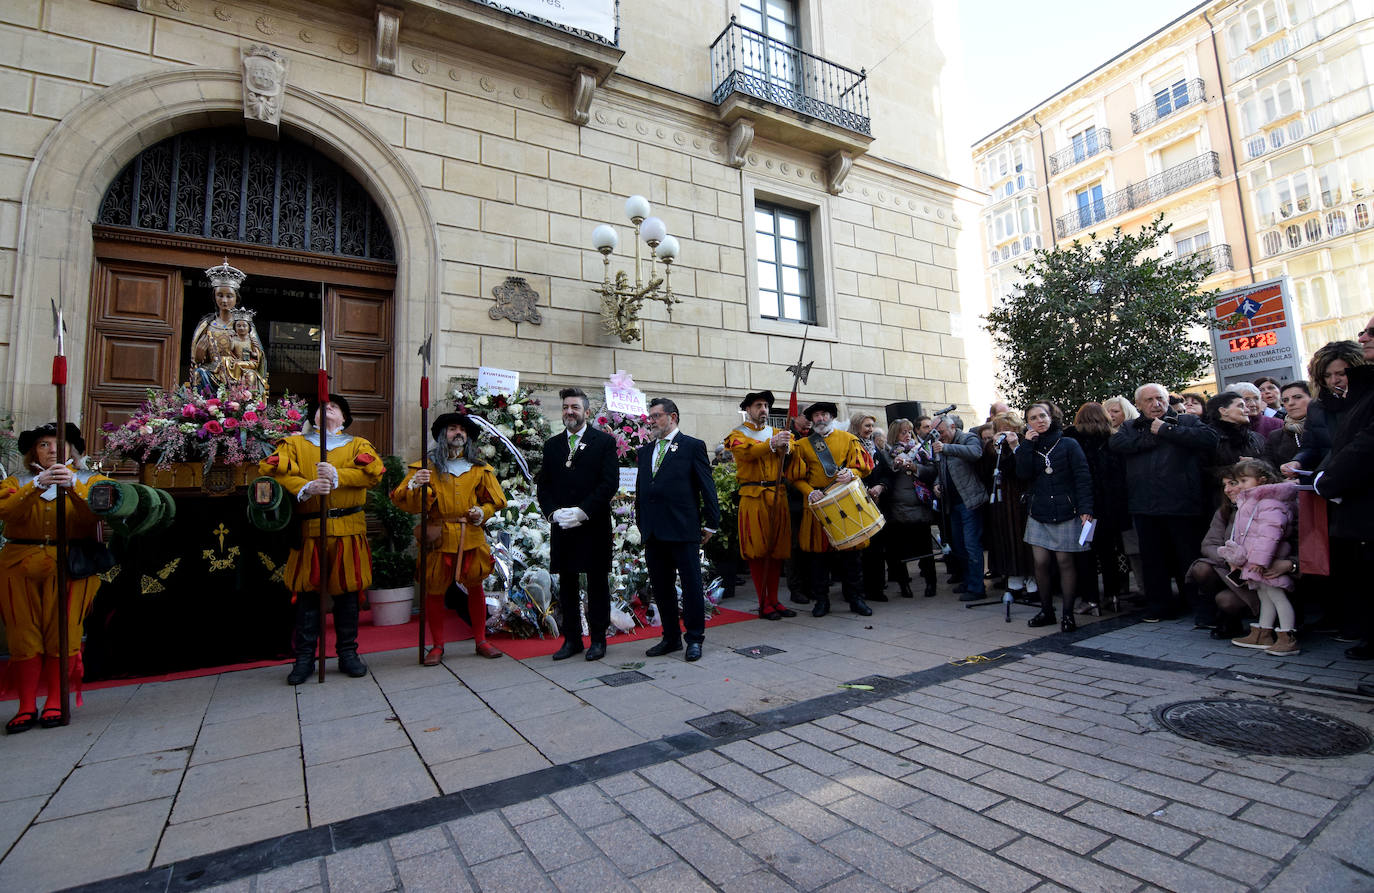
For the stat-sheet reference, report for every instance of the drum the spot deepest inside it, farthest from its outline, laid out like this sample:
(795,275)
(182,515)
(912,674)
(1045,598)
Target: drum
(850,518)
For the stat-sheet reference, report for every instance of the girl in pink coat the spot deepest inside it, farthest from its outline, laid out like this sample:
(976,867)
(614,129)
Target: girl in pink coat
(1266,511)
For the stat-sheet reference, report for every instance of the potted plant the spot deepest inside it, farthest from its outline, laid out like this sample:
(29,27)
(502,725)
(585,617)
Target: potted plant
(392,538)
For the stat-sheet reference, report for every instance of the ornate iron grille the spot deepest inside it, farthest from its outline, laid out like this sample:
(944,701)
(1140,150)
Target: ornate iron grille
(750,62)
(1167,104)
(1219,255)
(224,184)
(1100,141)
(1167,182)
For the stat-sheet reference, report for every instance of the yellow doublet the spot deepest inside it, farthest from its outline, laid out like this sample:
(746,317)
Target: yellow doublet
(350,560)
(28,573)
(448,498)
(806,473)
(765,527)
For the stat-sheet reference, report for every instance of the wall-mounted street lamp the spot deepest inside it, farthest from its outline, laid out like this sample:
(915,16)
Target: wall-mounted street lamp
(620,301)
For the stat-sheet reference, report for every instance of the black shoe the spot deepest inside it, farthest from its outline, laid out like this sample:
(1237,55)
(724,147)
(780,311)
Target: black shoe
(784,612)
(799,598)
(972,596)
(930,589)
(1363,651)
(664,646)
(770,615)
(350,664)
(954,578)
(301,670)
(693,652)
(960,589)
(596,651)
(876,597)
(821,608)
(568,650)
(1044,618)
(1068,624)
(905,588)
(860,607)
(1154,615)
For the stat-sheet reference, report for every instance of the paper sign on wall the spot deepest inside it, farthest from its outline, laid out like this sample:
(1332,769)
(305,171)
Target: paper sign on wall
(628,477)
(498,381)
(622,395)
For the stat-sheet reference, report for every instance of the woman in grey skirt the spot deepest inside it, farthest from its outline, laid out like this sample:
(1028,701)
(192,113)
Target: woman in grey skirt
(1059,489)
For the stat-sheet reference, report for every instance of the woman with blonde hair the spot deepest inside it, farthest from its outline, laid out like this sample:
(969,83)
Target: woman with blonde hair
(909,508)
(864,425)
(1120,410)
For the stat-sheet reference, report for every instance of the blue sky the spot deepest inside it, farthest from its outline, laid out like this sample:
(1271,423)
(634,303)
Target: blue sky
(1019,53)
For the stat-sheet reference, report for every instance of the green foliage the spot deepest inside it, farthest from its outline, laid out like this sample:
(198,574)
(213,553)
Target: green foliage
(723,544)
(393,529)
(1098,318)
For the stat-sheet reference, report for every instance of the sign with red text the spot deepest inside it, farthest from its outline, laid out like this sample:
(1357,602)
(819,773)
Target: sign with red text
(1258,334)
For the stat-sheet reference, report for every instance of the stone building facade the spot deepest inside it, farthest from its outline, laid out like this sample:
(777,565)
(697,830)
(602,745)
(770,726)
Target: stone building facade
(490,143)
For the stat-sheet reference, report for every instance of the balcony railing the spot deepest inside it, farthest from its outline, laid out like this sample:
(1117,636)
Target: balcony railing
(1330,114)
(1220,255)
(750,62)
(1163,106)
(1099,141)
(1285,46)
(1166,182)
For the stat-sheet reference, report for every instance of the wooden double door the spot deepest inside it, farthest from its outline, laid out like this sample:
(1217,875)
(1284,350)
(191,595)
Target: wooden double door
(146,298)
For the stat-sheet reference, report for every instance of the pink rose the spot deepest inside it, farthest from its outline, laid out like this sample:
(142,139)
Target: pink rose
(250,416)
(293,415)
(231,423)
(212,402)
(261,406)
(188,411)
(214,427)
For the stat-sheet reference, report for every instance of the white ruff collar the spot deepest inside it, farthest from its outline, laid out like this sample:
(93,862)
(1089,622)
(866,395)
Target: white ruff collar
(457,466)
(335,440)
(765,433)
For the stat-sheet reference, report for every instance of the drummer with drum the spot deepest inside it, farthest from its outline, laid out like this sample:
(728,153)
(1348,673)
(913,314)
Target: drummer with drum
(822,467)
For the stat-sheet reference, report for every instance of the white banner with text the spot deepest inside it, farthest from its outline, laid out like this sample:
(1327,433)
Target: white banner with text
(596,16)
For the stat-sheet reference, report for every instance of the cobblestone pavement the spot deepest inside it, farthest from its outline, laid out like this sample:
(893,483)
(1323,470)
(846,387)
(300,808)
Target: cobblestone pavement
(1043,768)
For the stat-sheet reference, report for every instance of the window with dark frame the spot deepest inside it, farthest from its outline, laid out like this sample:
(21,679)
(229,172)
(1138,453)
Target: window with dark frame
(782,240)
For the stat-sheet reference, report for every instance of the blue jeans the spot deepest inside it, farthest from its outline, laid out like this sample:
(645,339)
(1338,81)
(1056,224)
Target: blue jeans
(966,529)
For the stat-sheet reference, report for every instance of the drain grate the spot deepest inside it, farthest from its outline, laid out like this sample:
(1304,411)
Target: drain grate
(718,725)
(629,677)
(759,651)
(1269,729)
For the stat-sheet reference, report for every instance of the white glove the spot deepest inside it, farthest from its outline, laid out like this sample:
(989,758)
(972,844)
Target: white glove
(569,524)
(559,516)
(316,487)
(577,514)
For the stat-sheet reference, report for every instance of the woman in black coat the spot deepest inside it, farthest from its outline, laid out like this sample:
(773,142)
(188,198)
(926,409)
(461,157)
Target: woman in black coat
(1092,428)
(1060,491)
(1226,415)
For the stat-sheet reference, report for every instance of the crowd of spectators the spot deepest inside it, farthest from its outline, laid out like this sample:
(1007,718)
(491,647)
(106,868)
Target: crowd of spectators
(1251,508)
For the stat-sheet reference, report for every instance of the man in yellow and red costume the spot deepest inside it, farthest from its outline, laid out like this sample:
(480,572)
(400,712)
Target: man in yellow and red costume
(765,528)
(353,468)
(828,456)
(460,492)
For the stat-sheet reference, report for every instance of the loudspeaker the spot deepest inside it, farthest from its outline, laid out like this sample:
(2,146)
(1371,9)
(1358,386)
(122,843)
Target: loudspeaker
(909,410)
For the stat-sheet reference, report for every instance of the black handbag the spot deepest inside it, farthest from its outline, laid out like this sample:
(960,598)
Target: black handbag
(88,557)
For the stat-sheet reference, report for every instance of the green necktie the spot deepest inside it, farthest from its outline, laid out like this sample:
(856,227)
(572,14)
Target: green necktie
(658,457)
(572,443)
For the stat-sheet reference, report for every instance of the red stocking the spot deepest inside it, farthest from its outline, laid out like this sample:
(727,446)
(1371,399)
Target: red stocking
(434,618)
(52,680)
(26,675)
(773,573)
(758,571)
(477,610)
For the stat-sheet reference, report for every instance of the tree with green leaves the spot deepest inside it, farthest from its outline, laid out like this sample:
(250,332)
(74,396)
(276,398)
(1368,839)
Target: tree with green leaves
(1097,318)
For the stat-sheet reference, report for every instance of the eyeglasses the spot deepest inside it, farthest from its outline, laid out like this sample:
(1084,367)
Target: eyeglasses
(1368,333)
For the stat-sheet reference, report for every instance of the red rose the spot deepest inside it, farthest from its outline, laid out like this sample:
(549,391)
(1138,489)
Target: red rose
(214,427)
(231,423)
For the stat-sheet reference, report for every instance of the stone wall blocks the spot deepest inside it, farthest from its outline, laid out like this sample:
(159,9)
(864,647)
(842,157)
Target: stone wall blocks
(46,53)
(542,130)
(454,209)
(665,162)
(691,197)
(389,125)
(513,220)
(935,321)
(716,175)
(519,354)
(609,147)
(858,308)
(737,376)
(476,180)
(598,207)
(901,364)
(575,360)
(854,259)
(471,247)
(731,261)
(896,269)
(479,114)
(532,192)
(562,198)
(662,337)
(879,287)
(442,139)
(461,279)
(514,156)
(578,171)
(856,359)
(397,94)
(550,260)
(558,326)
(628,181)
(730,206)
(573,232)
(213,49)
(852,211)
(13,173)
(945,368)
(9,224)
(429,169)
(945,257)
(23,134)
(782,351)
(939,277)
(16,89)
(915,249)
(107,25)
(54,99)
(952,346)
(886,388)
(874,240)
(718,230)
(21,12)
(918,295)
(113,65)
(917,342)
(892,221)
(856,387)
(698,371)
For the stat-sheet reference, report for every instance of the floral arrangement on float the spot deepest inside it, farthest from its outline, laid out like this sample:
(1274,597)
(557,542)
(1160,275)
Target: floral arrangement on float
(522,594)
(184,425)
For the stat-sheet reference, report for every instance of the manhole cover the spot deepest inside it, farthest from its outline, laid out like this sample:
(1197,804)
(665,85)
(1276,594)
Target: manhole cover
(759,651)
(718,725)
(1259,728)
(630,677)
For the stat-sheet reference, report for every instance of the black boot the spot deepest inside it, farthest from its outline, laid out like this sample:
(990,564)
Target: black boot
(930,589)
(858,606)
(307,638)
(821,608)
(346,635)
(905,587)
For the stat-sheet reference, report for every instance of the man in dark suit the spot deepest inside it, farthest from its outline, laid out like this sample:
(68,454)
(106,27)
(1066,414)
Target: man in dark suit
(676,512)
(576,483)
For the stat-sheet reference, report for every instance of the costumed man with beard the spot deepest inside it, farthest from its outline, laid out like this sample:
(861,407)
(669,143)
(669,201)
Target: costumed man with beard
(765,528)
(828,456)
(353,468)
(460,494)
(28,571)
(577,480)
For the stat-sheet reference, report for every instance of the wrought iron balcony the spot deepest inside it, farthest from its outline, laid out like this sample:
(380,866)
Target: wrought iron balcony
(1099,141)
(1163,106)
(1167,182)
(1220,255)
(750,62)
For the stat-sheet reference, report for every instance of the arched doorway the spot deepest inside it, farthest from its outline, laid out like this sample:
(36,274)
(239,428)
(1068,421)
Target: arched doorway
(302,228)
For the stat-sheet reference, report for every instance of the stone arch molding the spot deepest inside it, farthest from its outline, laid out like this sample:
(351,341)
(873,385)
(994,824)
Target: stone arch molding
(87,149)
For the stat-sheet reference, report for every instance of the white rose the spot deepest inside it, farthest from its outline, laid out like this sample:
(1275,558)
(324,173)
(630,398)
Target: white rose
(488,451)
(484,400)
(145,429)
(504,431)
(632,536)
(517,410)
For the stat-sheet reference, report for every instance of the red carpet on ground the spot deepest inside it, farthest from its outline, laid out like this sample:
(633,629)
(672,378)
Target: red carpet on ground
(373,639)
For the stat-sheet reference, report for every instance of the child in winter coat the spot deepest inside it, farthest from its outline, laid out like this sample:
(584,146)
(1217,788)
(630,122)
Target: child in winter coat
(1266,511)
